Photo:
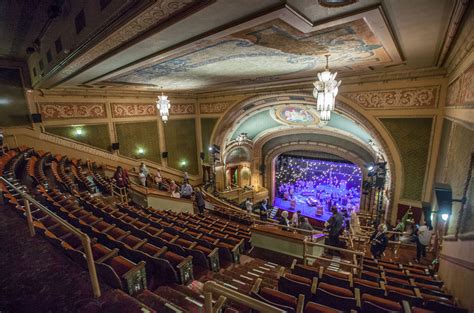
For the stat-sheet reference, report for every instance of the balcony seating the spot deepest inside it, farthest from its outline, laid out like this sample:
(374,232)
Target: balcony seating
(374,304)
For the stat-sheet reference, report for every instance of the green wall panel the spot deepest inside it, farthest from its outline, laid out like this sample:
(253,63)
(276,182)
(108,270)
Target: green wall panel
(181,145)
(412,136)
(13,105)
(207,126)
(93,135)
(135,136)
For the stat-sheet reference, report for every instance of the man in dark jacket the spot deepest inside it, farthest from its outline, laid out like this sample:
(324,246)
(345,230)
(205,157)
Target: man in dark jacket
(199,198)
(379,241)
(334,226)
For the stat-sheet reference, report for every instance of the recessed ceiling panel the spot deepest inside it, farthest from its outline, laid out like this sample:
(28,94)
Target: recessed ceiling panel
(281,46)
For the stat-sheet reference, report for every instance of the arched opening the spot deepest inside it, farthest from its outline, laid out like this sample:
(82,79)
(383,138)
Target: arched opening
(258,117)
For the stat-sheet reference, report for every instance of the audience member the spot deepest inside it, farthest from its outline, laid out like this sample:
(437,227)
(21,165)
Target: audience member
(199,198)
(295,218)
(264,210)
(121,177)
(334,226)
(248,205)
(379,241)
(186,190)
(142,177)
(304,223)
(158,180)
(424,238)
(185,176)
(284,220)
(144,169)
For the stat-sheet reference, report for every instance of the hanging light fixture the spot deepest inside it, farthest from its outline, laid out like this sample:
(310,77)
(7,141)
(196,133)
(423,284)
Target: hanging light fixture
(325,91)
(163,105)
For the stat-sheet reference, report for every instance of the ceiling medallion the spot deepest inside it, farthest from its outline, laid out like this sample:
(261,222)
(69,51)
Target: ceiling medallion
(336,3)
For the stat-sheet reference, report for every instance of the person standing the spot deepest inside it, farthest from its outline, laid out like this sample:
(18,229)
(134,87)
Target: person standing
(423,240)
(199,198)
(142,177)
(121,177)
(144,169)
(379,241)
(248,205)
(334,226)
(264,210)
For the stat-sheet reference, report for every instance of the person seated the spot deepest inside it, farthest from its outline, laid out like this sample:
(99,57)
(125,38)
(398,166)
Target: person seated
(295,218)
(284,220)
(379,241)
(304,223)
(186,190)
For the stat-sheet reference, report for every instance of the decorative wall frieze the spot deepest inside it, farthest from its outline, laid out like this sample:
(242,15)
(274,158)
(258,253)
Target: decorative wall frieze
(133,109)
(181,108)
(416,98)
(216,107)
(59,110)
(461,90)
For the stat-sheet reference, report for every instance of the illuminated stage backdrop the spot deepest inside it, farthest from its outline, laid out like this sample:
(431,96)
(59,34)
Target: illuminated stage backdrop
(313,185)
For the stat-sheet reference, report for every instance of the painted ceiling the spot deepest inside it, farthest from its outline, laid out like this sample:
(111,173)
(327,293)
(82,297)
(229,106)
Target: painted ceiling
(270,51)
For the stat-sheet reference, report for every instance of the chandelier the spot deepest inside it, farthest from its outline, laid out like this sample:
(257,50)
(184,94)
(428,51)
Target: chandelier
(325,91)
(163,105)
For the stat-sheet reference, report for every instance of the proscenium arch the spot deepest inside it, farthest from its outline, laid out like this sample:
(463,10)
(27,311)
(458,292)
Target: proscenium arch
(344,106)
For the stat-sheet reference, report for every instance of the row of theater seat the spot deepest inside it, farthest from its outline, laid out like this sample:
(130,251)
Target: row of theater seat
(161,265)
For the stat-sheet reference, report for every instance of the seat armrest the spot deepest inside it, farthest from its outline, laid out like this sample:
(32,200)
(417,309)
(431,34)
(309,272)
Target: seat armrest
(357,297)
(256,285)
(300,304)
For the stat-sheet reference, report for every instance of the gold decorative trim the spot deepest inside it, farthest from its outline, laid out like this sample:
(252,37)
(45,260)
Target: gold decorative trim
(416,98)
(60,110)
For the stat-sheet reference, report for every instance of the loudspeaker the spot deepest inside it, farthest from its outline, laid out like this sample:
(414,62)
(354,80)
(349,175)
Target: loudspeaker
(164,154)
(202,155)
(427,213)
(115,146)
(36,118)
(444,197)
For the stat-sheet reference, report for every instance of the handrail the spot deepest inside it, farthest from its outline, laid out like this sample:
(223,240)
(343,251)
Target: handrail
(211,287)
(355,253)
(120,192)
(85,240)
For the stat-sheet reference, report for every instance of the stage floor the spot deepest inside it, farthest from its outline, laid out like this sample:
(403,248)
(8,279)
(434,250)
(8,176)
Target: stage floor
(306,210)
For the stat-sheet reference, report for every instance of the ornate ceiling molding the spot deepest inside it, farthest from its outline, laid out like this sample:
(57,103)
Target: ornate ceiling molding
(457,14)
(461,90)
(415,98)
(58,110)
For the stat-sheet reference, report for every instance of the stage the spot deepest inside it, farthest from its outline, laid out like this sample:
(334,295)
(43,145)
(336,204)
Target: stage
(312,186)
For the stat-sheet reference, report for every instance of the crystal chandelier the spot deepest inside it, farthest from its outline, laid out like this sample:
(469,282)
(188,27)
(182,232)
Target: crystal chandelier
(163,105)
(325,91)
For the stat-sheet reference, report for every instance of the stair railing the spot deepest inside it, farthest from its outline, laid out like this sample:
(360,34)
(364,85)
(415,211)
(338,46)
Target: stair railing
(85,240)
(211,287)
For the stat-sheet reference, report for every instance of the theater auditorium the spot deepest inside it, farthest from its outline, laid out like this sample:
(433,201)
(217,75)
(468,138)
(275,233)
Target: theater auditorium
(236,156)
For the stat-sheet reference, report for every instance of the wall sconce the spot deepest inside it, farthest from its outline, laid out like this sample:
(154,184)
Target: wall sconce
(140,152)
(183,163)
(79,132)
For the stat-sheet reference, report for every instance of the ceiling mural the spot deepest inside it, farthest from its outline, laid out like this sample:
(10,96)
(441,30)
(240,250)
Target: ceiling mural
(294,115)
(270,51)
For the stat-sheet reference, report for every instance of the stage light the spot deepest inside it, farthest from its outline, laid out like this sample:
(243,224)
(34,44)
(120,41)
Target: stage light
(370,167)
(444,217)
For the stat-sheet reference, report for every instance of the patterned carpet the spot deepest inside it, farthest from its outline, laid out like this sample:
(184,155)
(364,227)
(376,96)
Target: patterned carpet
(35,277)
